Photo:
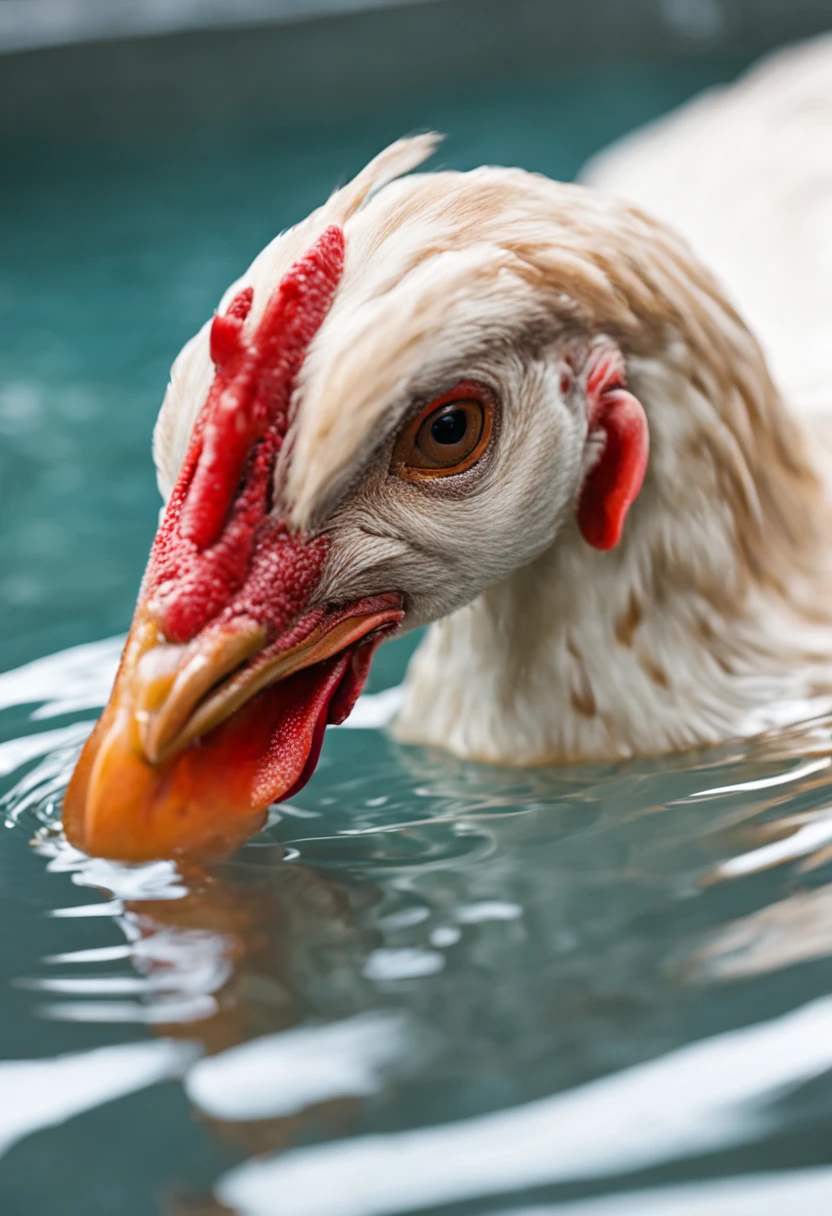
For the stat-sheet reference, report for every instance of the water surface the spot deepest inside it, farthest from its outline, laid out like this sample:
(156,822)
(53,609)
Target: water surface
(428,986)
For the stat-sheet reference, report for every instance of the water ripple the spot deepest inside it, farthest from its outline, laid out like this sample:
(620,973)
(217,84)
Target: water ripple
(490,981)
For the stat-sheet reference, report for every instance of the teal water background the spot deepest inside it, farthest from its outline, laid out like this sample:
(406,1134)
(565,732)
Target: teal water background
(429,986)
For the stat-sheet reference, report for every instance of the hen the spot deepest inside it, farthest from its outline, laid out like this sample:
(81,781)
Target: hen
(520,411)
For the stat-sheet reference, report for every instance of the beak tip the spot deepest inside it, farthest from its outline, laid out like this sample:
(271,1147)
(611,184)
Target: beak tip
(180,764)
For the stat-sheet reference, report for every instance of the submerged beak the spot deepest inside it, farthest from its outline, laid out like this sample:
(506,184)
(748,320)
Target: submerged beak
(199,738)
(231,670)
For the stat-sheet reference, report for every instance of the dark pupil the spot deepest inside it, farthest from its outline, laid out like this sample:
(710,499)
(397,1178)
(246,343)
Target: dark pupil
(450,428)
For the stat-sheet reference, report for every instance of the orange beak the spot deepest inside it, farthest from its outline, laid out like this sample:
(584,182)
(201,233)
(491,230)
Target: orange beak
(199,739)
(230,673)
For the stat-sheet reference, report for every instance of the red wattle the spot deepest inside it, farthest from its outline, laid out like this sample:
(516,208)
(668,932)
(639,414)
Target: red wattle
(613,484)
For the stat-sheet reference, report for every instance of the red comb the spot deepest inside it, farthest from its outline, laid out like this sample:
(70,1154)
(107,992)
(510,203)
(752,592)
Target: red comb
(219,509)
(254,380)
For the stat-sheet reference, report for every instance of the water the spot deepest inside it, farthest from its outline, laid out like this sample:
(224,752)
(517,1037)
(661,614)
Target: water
(428,986)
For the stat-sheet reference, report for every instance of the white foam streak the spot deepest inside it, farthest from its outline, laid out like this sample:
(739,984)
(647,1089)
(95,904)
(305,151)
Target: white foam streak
(96,954)
(405,963)
(807,1192)
(765,783)
(113,907)
(84,675)
(807,839)
(282,1074)
(487,910)
(703,1097)
(162,1013)
(17,752)
(41,1093)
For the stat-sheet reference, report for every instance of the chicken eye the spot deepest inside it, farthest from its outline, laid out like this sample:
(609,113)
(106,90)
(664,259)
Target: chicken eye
(446,437)
(451,434)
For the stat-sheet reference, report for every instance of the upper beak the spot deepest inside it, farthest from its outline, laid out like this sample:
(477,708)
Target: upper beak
(198,739)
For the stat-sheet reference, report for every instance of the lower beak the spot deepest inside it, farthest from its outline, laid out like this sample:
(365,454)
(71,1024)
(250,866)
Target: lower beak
(198,740)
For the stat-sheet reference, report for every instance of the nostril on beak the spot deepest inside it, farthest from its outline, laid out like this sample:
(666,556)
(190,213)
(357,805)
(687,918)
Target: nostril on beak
(170,681)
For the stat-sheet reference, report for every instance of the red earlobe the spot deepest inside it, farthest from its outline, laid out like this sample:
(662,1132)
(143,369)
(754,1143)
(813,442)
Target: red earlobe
(612,485)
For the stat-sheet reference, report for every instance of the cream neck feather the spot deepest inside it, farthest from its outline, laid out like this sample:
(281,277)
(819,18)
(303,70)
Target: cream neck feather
(714,617)
(707,622)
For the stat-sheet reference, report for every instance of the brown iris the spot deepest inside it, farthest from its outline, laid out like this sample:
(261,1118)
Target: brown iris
(446,437)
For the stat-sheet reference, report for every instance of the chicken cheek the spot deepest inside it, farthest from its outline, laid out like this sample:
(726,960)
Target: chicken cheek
(613,483)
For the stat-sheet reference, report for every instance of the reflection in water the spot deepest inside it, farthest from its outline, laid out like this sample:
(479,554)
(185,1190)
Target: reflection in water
(283,1074)
(808,835)
(793,930)
(808,1192)
(430,984)
(219,955)
(611,1126)
(39,1093)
